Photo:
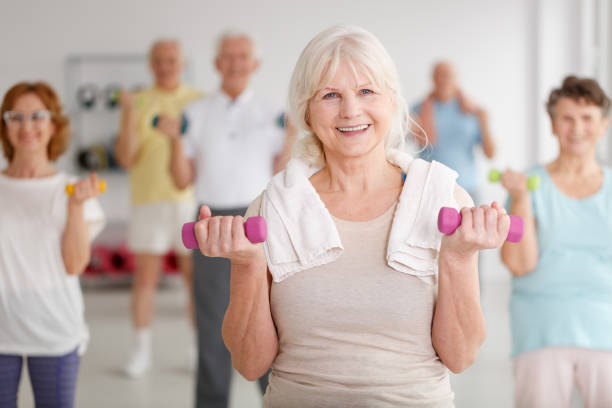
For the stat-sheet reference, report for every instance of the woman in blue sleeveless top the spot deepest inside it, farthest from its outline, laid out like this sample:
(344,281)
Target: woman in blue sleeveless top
(561,304)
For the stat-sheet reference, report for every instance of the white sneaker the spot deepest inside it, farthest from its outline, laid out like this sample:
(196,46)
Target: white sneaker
(139,363)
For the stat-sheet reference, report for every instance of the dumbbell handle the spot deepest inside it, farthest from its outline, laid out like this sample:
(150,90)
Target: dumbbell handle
(255,229)
(101,187)
(184,123)
(533,182)
(449,220)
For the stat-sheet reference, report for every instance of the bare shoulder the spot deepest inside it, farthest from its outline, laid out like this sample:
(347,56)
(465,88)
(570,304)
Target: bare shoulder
(462,197)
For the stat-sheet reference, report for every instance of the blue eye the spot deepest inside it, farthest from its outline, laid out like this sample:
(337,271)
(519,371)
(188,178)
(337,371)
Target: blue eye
(331,95)
(366,91)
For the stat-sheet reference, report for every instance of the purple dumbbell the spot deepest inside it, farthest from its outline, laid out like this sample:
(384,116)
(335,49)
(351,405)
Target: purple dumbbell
(255,230)
(449,220)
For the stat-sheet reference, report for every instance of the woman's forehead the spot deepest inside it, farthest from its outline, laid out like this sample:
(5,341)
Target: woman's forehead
(345,73)
(28,99)
(568,103)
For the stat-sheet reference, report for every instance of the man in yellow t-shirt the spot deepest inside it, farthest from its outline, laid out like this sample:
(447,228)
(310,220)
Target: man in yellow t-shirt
(158,208)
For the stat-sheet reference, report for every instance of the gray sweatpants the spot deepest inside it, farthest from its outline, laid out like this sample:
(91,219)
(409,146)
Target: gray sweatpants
(211,286)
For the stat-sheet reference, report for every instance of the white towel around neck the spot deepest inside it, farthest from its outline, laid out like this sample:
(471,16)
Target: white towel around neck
(302,233)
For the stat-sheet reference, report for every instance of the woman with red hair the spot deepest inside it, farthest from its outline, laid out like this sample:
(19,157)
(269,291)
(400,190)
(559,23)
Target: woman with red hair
(44,246)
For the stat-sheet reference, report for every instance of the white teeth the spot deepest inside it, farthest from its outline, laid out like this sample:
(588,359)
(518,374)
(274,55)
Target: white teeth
(353,129)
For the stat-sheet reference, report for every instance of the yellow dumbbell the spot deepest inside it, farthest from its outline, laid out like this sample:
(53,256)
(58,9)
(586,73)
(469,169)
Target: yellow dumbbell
(101,187)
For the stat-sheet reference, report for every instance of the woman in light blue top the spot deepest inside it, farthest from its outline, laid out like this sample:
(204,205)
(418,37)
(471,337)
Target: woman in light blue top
(561,305)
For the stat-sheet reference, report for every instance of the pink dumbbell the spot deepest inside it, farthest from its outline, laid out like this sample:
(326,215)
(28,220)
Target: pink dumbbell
(255,230)
(449,220)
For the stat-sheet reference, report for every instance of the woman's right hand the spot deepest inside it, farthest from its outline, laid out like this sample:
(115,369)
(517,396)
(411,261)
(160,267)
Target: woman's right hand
(516,184)
(224,236)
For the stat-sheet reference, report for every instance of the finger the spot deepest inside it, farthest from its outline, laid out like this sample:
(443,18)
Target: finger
(204,212)
(225,233)
(466,219)
(165,122)
(501,210)
(85,189)
(79,188)
(213,233)
(201,232)
(237,228)
(491,220)
(478,218)
(95,182)
(503,225)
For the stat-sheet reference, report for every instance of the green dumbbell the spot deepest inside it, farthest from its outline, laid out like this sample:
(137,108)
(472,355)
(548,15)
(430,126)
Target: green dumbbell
(112,96)
(533,182)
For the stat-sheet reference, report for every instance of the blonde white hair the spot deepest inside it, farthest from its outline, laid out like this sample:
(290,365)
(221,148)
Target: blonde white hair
(318,64)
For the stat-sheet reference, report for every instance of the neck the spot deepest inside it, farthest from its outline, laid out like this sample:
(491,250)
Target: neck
(359,175)
(232,92)
(444,97)
(168,87)
(31,166)
(582,165)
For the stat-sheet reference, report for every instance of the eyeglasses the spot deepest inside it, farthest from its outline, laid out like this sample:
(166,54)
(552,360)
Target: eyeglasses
(16,119)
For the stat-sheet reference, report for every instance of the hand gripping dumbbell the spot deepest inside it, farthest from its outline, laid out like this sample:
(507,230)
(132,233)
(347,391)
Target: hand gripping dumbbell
(449,220)
(184,123)
(101,187)
(255,229)
(533,182)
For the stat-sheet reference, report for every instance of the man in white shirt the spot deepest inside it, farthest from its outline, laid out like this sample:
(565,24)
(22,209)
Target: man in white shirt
(233,145)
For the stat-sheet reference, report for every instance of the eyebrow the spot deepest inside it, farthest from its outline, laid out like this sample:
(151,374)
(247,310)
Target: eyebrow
(337,89)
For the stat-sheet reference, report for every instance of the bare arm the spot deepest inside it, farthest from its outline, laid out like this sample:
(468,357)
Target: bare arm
(458,327)
(182,169)
(248,329)
(126,148)
(488,144)
(76,249)
(521,257)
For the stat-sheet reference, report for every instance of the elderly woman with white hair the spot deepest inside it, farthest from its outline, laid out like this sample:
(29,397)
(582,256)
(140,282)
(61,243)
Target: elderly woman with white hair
(355,299)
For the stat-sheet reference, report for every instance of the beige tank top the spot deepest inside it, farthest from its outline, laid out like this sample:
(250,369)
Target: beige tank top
(356,333)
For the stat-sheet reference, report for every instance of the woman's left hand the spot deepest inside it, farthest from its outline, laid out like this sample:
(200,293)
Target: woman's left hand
(483,227)
(85,189)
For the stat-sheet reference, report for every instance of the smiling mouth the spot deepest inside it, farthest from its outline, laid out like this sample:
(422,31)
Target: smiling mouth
(353,129)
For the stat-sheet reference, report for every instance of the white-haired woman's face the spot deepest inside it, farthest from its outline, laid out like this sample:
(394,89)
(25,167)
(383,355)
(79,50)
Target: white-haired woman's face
(350,115)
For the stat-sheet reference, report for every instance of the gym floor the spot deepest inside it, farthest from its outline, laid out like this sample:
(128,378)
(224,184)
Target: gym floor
(488,383)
